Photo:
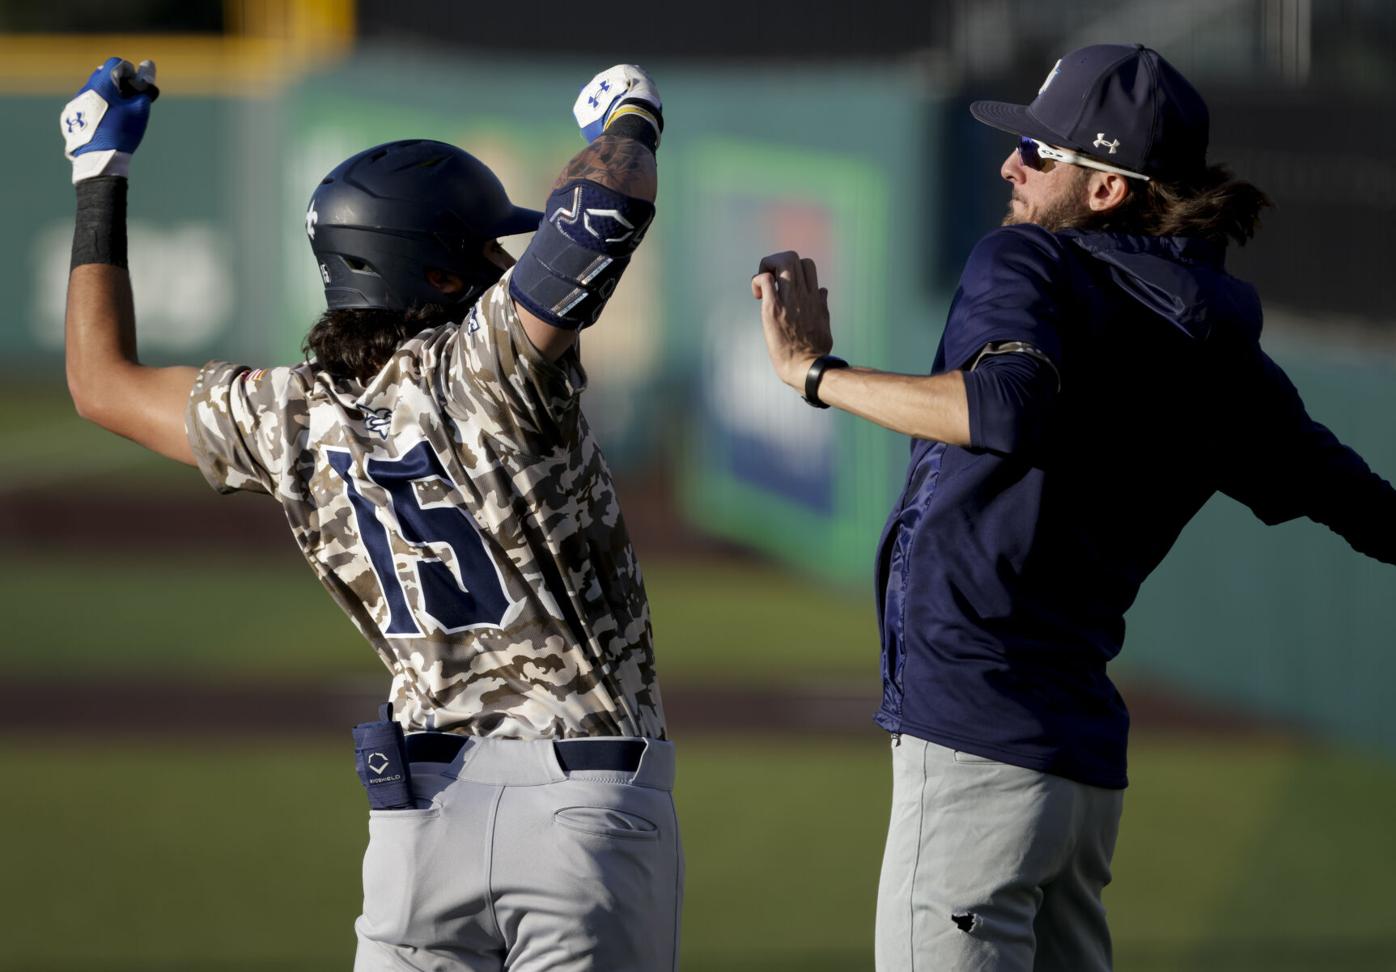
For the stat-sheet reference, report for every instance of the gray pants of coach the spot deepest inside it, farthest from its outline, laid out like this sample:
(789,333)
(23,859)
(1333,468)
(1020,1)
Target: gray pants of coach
(510,863)
(992,868)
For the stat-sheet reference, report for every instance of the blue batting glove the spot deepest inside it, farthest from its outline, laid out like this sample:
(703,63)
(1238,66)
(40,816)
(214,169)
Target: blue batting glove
(617,91)
(105,121)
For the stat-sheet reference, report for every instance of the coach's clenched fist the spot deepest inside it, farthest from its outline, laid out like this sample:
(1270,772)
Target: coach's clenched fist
(794,314)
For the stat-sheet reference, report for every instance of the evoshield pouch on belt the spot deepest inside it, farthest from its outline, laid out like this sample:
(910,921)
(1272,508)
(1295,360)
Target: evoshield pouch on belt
(380,757)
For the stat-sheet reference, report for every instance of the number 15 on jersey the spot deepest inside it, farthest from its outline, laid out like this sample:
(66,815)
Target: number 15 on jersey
(440,536)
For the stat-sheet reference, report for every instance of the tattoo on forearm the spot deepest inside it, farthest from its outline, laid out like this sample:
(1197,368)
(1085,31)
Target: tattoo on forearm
(622,164)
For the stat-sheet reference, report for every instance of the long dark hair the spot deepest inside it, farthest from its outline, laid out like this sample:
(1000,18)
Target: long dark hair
(357,342)
(1212,206)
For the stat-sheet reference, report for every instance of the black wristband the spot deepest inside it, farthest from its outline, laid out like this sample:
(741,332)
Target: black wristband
(643,125)
(99,231)
(816,374)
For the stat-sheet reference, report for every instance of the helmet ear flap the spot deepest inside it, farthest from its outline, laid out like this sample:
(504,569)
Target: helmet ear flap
(455,238)
(351,281)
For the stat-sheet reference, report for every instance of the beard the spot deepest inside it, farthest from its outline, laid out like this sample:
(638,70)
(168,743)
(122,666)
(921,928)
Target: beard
(1069,210)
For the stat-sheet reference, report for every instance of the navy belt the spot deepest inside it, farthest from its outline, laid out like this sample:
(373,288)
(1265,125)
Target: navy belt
(622,755)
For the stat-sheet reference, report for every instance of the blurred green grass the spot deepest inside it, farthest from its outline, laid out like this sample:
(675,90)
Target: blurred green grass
(50,445)
(96,615)
(1235,855)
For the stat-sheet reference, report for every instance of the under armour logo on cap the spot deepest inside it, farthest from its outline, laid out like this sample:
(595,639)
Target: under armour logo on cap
(1100,142)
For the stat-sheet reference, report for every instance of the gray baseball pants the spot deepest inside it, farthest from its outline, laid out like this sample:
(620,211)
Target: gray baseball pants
(510,863)
(992,868)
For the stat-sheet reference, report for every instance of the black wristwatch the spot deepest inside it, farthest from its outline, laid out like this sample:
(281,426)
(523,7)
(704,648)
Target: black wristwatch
(816,374)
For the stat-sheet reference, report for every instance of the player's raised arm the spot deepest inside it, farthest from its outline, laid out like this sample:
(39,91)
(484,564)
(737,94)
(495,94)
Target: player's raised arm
(101,127)
(600,207)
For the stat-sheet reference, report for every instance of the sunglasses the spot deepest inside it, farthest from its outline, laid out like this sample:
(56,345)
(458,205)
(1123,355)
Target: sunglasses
(1033,154)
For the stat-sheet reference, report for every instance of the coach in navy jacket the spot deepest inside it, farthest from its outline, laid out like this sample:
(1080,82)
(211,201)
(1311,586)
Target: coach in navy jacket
(1099,379)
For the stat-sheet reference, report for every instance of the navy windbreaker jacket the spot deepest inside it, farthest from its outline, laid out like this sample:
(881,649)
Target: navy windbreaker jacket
(1006,568)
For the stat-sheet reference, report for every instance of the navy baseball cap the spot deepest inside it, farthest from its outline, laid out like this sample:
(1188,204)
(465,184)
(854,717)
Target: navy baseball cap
(1120,103)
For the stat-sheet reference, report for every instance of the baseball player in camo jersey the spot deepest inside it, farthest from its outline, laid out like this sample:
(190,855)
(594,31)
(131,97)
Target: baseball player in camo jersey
(443,484)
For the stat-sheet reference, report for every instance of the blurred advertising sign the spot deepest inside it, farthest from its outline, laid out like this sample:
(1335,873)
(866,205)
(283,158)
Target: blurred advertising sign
(765,469)
(187,268)
(765,436)
(179,270)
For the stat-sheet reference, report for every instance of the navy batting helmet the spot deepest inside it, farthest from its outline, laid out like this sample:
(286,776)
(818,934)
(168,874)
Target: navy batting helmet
(387,215)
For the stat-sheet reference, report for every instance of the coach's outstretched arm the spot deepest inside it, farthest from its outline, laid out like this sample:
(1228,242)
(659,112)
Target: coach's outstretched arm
(600,207)
(795,321)
(101,127)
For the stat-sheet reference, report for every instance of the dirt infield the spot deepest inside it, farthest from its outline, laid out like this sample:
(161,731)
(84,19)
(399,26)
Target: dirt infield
(256,708)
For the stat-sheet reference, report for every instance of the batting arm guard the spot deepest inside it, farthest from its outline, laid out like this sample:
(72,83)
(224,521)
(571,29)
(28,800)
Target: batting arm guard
(576,258)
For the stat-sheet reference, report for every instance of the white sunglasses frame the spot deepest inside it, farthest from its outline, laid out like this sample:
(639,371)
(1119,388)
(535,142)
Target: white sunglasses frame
(1071,158)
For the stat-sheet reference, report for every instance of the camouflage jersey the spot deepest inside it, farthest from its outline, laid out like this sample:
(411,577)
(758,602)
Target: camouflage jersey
(457,507)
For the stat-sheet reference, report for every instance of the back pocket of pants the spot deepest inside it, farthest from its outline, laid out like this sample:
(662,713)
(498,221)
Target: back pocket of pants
(606,822)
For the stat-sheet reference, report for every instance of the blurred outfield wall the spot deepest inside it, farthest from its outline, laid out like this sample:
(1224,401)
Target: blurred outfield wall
(883,181)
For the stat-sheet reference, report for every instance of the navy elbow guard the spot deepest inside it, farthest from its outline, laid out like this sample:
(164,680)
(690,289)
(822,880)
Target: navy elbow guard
(575,260)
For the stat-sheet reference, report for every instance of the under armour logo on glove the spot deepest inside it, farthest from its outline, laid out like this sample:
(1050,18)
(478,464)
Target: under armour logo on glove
(106,120)
(603,93)
(602,88)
